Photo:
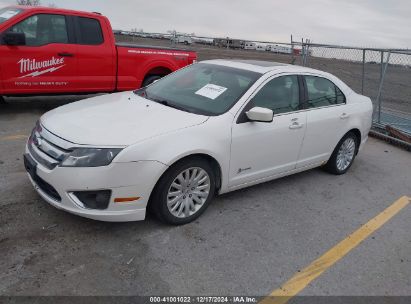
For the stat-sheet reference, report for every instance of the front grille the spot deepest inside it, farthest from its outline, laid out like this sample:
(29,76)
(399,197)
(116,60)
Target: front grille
(48,164)
(43,150)
(31,168)
(46,188)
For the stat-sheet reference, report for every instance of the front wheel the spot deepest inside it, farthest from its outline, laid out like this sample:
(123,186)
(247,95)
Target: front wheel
(343,155)
(184,192)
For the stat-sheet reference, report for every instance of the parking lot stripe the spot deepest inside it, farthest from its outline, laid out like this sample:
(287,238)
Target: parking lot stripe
(14,137)
(301,279)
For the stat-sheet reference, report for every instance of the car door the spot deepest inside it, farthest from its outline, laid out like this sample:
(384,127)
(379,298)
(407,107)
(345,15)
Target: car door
(96,56)
(44,64)
(261,150)
(327,119)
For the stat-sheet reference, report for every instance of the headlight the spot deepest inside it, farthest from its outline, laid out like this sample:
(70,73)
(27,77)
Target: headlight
(90,157)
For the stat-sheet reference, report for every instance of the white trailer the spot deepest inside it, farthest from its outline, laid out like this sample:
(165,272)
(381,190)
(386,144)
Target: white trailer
(249,45)
(184,39)
(281,49)
(260,47)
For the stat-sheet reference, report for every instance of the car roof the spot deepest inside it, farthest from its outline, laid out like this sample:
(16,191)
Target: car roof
(42,9)
(262,67)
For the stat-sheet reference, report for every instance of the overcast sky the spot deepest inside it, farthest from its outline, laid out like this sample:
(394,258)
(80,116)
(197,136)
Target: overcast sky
(371,23)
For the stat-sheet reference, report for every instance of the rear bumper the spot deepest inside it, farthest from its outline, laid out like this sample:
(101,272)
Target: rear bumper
(125,180)
(363,141)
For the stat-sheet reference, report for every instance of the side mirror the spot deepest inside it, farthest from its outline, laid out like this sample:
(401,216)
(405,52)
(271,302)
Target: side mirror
(260,114)
(11,38)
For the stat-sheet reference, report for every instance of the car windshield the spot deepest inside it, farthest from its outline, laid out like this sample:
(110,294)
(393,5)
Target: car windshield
(206,89)
(7,13)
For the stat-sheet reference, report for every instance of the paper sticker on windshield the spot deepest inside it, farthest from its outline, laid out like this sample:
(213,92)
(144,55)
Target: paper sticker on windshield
(211,91)
(9,14)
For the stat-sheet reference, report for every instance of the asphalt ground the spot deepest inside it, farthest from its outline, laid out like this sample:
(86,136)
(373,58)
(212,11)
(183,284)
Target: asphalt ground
(249,242)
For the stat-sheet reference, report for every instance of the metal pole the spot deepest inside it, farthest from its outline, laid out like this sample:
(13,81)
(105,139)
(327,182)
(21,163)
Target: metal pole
(307,47)
(363,72)
(383,71)
(302,51)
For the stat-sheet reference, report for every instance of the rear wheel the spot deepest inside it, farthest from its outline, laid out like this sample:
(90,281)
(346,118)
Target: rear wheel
(150,79)
(343,155)
(184,192)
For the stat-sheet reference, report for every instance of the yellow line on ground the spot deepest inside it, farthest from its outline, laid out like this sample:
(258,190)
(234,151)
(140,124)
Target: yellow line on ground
(14,137)
(300,280)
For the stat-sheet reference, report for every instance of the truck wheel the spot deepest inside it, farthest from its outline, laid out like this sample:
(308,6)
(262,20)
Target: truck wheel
(150,79)
(2,101)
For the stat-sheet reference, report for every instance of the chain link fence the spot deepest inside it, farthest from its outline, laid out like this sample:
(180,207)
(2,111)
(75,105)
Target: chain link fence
(382,74)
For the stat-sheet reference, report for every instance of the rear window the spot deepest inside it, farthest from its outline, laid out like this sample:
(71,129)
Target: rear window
(7,13)
(90,32)
(322,92)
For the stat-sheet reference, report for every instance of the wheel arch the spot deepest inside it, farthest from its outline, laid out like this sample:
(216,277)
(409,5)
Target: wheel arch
(161,68)
(357,134)
(215,165)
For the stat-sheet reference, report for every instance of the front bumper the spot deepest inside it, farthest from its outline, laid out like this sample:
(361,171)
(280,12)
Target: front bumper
(133,179)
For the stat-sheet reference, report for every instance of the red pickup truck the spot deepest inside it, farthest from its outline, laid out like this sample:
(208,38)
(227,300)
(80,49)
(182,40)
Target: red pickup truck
(54,51)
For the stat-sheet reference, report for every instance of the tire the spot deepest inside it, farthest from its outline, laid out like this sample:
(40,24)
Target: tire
(191,203)
(150,79)
(2,100)
(343,155)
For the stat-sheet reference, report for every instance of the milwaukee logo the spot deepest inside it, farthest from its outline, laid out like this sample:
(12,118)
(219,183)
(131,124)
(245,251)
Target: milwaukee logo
(34,66)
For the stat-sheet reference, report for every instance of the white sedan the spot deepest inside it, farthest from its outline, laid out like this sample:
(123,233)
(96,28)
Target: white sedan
(211,128)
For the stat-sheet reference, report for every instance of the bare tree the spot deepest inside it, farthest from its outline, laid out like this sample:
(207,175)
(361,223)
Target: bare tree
(29,2)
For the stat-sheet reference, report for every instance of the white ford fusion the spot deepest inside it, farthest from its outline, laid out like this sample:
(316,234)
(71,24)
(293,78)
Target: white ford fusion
(208,129)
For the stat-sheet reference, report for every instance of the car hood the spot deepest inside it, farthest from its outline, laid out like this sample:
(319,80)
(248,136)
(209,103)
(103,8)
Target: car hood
(119,119)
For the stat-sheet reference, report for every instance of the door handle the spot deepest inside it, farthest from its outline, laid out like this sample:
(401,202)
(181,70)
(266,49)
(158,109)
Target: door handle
(296,125)
(344,116)
(63,54)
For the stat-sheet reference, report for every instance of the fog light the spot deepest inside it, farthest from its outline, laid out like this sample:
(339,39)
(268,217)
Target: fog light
(94,199)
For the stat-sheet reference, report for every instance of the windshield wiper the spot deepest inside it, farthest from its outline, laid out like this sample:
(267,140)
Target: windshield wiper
(141,92)
(168,104)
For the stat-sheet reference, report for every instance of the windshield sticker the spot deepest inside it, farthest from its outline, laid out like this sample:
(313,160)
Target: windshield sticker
(9,14)
(211,91)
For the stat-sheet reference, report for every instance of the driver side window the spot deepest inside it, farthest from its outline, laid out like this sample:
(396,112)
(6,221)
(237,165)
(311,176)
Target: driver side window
(282,95)
(43,29)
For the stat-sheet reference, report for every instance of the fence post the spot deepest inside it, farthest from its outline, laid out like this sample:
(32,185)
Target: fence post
(302,51)
(307,49)
(383,71)
(363,72)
